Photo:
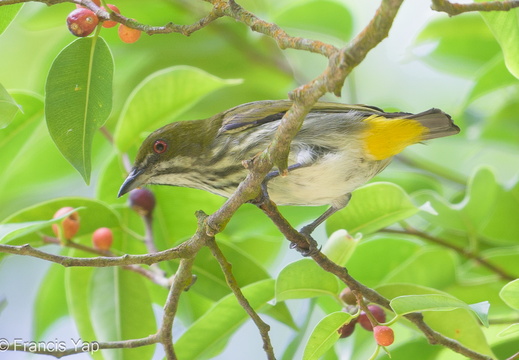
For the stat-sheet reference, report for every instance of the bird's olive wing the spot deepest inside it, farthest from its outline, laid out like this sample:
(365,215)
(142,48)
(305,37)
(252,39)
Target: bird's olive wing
(258,113)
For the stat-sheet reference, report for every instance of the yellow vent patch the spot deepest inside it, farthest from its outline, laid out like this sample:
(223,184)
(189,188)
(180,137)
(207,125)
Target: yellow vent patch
(384,138)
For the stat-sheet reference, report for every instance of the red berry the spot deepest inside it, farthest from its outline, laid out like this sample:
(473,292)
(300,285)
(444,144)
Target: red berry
(348,297)
(69,225)
(128,35)
(102,238)
(347,329)
(81,22)
(110,23)
(142,201)
(384,335)
(377,313)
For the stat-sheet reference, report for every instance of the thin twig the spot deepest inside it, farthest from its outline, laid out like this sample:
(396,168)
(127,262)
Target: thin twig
(464,252)
(182,281)
(233,285)
(81,347)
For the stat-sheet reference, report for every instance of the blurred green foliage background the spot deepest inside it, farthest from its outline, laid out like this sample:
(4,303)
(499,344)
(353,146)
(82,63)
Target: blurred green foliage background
(465,65)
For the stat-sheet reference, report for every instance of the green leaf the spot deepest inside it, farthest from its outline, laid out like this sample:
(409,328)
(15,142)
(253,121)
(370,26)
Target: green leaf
(3,304)
(510,294)
(78,99)
(78,295)
(459,324)
(160,99)
(416,269)
(325,335)
(454,40)
(505,27)
(472,213)
(7,15)
(372,208)
(120,308)
(320,17)
(510,330)
(22,225)
(391,253)
(12,231)
(8,107)
(221,321)
(304,279)
(51,303)
(436,302)
(492,76)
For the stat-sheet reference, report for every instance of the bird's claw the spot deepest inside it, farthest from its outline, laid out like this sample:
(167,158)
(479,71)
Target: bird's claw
(312,249)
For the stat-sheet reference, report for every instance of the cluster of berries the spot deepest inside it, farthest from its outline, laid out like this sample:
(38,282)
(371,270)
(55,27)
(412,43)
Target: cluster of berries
(384,335)
(82,22)
(142,201)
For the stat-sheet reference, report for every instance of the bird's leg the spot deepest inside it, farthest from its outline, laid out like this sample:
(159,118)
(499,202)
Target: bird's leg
(307,230)
(338,204)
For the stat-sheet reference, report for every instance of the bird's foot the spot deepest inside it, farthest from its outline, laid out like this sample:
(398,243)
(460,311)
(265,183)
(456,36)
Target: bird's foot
(311,249)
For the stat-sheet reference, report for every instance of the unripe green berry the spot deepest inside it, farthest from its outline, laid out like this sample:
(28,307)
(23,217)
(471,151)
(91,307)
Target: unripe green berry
(384,335)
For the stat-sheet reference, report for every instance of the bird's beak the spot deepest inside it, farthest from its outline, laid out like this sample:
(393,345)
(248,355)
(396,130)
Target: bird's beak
(133,181)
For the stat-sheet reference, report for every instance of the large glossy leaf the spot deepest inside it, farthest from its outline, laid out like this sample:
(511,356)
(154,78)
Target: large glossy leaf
(454,40)
(304,279)
(406,304)
(7,14)
(459,324)
(320,17)
(94,214)
(8,108)
(510,294)
(120,308)
(371,208)
(78,99)
(325,335)
(222,320)
(162,97)
(385,256)
(51,303)
(505,27)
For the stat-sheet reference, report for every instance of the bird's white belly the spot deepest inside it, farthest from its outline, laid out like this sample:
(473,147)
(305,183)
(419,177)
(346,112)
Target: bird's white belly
(321,183)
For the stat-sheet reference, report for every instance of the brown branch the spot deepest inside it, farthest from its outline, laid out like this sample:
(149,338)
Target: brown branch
(434,337)
(182,281)
(456,9)
(464,252)
(233,285)
(185,250)
(91,347)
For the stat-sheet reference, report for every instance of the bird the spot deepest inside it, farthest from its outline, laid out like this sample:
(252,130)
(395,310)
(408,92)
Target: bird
(338,148)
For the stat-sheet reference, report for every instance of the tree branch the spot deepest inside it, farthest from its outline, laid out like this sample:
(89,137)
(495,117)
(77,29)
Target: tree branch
(233,285)
(464,252)
(326,264)
(456,9)
(90,347)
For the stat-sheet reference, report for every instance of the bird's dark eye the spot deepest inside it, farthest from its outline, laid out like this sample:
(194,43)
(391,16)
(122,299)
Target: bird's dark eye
(160,146)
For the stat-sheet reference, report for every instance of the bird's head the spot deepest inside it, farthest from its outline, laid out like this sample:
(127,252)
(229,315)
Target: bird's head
(166,155)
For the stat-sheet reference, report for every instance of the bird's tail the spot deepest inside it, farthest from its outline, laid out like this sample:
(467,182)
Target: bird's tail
(437,122)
